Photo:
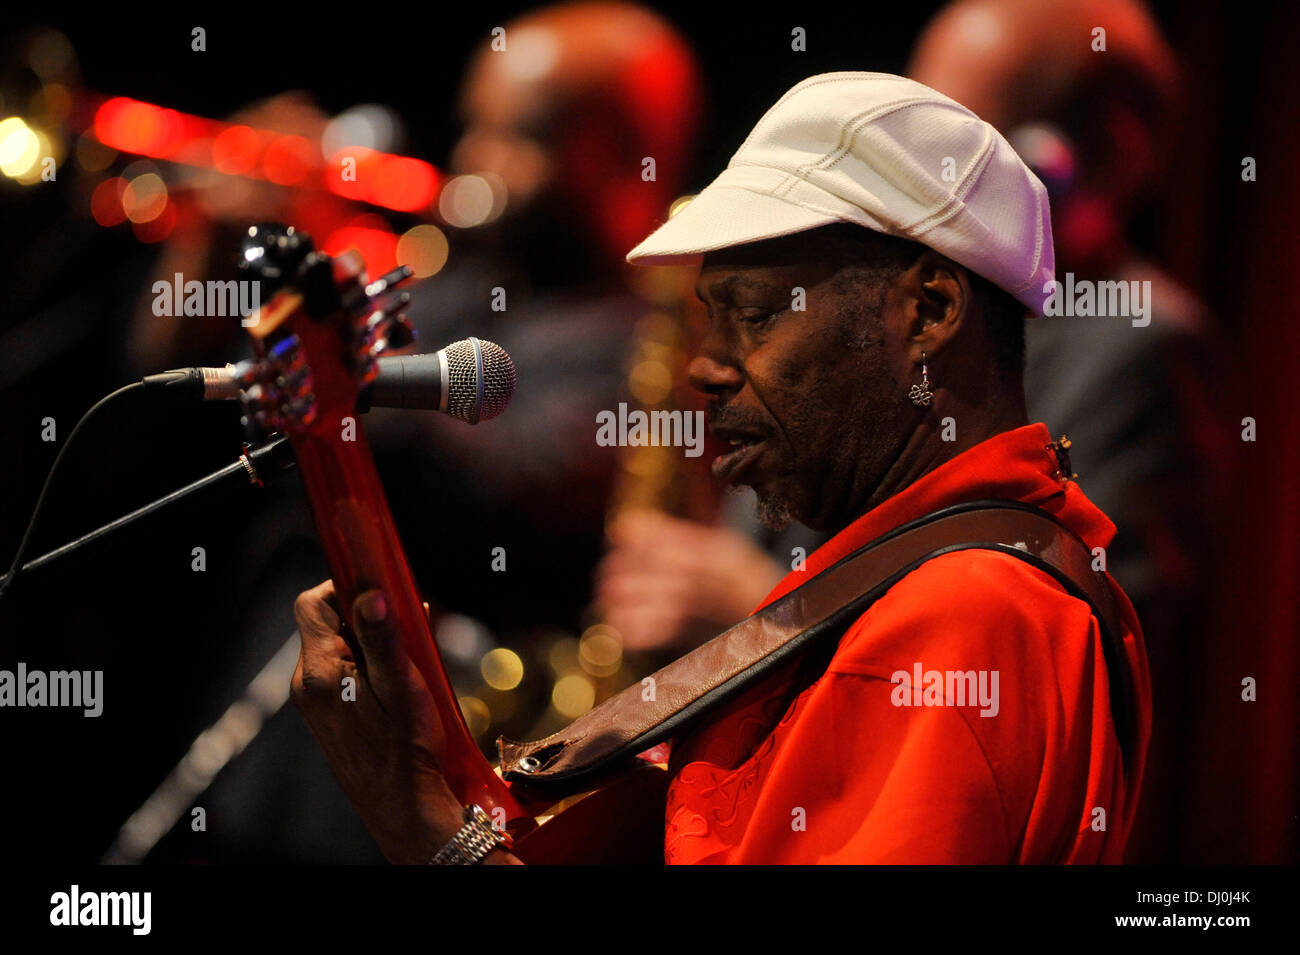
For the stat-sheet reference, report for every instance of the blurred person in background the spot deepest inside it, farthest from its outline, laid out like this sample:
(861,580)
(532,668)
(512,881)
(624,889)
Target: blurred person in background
(1138,402)
(205,242)
(556,128)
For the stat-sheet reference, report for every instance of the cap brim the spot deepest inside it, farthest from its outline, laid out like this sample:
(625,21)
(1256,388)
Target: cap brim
(719,217)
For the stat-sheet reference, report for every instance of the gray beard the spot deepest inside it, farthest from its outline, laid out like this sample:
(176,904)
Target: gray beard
(774,513)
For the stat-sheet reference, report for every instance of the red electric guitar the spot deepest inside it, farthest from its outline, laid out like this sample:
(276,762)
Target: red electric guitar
(317,339)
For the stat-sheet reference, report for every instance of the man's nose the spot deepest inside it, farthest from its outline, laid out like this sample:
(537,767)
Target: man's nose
(713,374)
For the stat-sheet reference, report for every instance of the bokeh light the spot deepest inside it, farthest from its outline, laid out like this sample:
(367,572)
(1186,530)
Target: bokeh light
(20,149)
(370,235)
(478,717)
(466,201)
(369,125)
(235,150)
(600,650)
(424,248)
(106,202)
(145,197)
(399,182)
(650,381)
(573,694)
(502,669)
(158,228)
(288,160)
(140,128)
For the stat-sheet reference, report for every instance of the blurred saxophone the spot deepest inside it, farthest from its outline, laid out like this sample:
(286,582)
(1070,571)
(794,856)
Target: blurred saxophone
(660,476)
(593,667)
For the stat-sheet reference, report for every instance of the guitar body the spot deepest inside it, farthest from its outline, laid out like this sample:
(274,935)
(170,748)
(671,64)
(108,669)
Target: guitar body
(621,823)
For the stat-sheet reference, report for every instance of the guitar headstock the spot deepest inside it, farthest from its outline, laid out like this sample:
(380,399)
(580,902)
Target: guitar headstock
(319,335)
(318,340)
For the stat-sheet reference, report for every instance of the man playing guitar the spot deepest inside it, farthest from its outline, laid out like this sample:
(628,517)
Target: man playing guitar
(868,259)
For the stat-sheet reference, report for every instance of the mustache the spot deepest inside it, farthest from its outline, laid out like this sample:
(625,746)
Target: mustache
(727,418)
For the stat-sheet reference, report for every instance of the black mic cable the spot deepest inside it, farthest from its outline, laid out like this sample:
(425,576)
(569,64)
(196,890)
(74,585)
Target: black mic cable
(16,567)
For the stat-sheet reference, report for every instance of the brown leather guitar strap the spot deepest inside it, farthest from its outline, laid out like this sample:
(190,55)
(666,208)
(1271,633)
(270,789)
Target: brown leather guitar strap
(607,738)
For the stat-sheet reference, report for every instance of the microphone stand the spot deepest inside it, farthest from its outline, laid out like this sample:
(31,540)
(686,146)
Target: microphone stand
(210,753)
(268,692)
(258,464)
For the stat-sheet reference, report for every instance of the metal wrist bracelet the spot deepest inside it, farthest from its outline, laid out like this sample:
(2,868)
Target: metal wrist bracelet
(472,841)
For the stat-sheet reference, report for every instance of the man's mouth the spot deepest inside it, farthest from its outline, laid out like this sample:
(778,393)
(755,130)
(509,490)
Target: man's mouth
(743,450)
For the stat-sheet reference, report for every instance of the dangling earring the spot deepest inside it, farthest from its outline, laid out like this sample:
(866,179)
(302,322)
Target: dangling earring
(920,394)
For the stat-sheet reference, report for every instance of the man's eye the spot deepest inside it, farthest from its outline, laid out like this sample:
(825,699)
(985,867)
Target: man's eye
(756,316)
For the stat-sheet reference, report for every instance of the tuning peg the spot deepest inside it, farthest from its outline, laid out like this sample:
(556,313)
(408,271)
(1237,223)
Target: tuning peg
(394,305)
(380,330)
(374,321)
(390,280)
(401,332)
(272,252)
(359,299)
(296,383)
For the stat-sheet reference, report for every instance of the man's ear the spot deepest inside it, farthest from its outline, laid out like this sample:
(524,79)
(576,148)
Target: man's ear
(938,297)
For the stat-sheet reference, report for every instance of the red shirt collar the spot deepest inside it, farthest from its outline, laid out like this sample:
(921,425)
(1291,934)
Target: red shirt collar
(1015,465)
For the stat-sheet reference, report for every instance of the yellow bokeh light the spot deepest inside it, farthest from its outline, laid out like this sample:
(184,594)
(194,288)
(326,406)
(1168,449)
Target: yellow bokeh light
(8,126)
(651,382)
(424,249)
(643,463)
(601,650)
(573,694)
(45,155)
(145,197)
(477,715)
(19,147)
(502,669)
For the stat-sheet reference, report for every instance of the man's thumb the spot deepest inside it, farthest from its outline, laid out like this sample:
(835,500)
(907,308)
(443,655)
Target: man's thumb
(388,669)
(372,623)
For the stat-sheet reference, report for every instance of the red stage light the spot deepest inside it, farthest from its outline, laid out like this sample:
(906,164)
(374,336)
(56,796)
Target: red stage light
(350,173)
(106,202)
(235,150)
(378,246)
(159,228)
(139,128)
(354,172)
(404,184)
(288,160)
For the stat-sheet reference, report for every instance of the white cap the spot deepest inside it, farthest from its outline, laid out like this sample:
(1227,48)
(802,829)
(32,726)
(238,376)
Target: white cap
(889,154)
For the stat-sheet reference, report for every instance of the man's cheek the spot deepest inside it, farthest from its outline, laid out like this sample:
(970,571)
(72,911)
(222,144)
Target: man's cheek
(809,421)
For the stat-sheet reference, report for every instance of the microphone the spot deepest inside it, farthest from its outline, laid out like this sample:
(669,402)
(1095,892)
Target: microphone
(471,380)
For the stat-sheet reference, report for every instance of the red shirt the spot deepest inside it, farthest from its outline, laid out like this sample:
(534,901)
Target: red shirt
(849,775)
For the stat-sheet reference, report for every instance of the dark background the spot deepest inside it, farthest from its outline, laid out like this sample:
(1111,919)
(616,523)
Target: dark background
(170,640)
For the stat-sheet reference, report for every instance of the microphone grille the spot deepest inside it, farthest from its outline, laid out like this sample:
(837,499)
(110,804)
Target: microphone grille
(498,380)
(480,380)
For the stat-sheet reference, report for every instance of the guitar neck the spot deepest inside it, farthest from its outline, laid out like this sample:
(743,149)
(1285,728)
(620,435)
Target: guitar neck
(316,339)
(363,551)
